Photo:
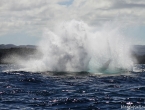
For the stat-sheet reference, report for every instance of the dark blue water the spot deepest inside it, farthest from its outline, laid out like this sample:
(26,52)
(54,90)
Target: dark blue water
(64,91)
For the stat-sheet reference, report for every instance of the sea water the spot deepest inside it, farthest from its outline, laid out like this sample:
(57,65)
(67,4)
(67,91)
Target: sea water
(80,67)
(63,91)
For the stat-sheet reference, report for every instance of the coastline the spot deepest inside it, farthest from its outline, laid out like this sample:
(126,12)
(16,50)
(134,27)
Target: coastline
(30,51)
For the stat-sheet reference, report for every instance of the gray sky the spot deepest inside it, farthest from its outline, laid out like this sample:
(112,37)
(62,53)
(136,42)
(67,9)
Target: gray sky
(23,21)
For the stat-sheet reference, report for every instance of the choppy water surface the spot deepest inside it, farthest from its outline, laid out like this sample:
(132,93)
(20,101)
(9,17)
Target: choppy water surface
(26,91)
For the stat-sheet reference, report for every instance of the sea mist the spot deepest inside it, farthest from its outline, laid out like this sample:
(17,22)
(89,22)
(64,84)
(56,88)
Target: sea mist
(75,46)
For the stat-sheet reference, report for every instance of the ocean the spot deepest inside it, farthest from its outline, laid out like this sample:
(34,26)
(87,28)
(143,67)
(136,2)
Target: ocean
(23,90)
(75,67)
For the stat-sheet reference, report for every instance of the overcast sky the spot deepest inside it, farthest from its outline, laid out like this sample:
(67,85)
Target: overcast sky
(23,21)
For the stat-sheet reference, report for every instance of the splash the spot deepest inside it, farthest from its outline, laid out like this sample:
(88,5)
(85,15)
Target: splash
(75,46)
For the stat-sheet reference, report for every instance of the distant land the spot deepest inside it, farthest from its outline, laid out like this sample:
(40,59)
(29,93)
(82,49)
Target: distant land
(7,51)
(138,51)
(8,46)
